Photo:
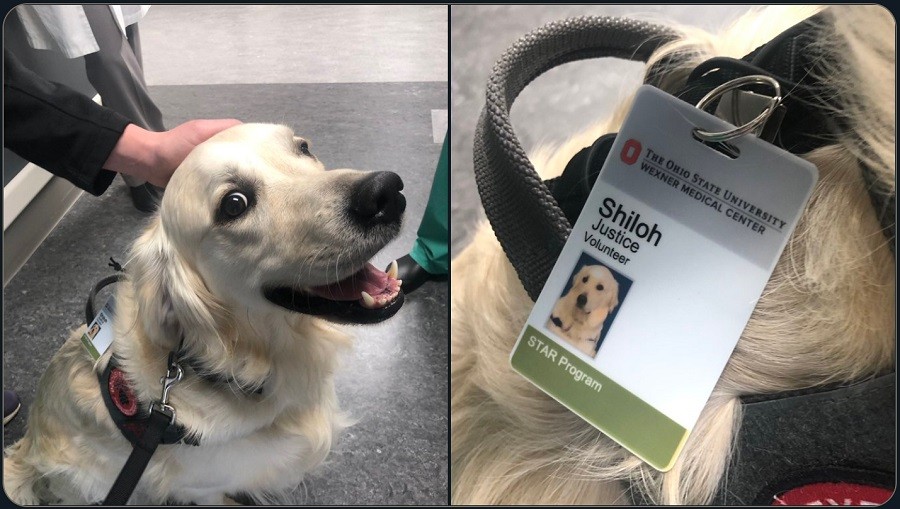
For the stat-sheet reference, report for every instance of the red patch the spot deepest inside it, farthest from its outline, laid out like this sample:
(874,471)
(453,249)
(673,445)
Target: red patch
(122,395)
(834,493)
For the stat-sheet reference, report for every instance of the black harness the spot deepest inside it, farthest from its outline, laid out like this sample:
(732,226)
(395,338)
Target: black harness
(131,416)
(839,435)
(146,426)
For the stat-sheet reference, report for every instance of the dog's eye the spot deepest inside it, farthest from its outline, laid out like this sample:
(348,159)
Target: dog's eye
(585,279)
(233,204)
(600,287)
(304,148)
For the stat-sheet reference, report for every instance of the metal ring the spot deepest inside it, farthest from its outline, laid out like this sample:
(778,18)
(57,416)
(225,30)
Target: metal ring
(758,122)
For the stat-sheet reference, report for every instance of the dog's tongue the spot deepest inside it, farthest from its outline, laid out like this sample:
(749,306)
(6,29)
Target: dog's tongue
(368,279)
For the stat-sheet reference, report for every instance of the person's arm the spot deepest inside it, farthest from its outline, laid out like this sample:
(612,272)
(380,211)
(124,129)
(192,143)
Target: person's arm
(70,136)
(58,128)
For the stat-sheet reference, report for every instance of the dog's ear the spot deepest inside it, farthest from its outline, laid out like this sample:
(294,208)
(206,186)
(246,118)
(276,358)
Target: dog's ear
(578,275)
(170,296)
(613,295)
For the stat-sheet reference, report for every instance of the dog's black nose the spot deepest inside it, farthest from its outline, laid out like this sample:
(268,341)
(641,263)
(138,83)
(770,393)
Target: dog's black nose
(377,199)
(581,300)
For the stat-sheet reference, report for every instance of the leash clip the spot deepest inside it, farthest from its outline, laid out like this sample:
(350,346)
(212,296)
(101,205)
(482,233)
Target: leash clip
(174,374)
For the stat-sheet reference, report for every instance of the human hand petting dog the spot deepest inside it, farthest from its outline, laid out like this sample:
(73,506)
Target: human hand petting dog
(154,156)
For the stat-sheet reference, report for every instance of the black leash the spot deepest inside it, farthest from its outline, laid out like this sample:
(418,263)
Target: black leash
(138,460)
(162,415)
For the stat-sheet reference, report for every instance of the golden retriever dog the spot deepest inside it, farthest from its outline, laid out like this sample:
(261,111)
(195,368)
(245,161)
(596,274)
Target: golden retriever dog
(826,315)
(578,316)
(254,250)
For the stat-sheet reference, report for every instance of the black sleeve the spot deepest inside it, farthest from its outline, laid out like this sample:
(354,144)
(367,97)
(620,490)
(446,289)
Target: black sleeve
(58,128)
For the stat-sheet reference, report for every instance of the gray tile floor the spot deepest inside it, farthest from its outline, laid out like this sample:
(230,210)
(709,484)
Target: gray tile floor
(557,104)
(230,61)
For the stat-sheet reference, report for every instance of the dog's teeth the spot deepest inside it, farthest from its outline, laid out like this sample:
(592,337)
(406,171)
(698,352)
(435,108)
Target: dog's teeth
(368,300)
(399,283)
(392,271)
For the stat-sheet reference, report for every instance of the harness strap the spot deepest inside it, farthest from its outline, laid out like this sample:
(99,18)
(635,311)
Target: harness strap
(526,219)
(137,462)
(572,187)
(838,434)
(126,412)
(215,378)
(793,59)
(836,429)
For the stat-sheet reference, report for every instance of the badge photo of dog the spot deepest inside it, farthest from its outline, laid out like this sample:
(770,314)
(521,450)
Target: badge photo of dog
(579,316)
(826,318)
(255,252)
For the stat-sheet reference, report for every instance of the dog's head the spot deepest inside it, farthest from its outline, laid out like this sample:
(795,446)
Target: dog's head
(252,221)
(593,288)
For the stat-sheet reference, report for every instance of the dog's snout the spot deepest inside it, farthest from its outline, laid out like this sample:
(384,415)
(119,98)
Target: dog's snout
(581,300)
(377,199)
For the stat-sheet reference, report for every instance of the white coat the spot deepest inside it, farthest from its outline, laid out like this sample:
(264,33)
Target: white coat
(65,28)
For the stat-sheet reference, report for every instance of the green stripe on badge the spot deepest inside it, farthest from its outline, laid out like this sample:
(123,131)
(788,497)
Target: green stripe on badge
(86,341)
(627,419)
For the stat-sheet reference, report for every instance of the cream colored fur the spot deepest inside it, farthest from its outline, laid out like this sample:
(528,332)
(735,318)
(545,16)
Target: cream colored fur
(187,274)
(827,313)
(581,325)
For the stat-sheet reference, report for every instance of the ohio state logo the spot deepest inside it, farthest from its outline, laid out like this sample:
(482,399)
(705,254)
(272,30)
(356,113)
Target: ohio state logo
(631,151)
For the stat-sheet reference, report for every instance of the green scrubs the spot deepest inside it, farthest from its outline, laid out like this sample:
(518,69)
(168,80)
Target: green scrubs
(432,247)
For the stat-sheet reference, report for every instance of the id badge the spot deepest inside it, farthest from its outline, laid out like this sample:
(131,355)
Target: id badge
(99,334)
(660,275)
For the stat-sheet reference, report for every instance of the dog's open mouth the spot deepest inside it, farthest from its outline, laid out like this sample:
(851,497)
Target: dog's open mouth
(369,295)
(370,287)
